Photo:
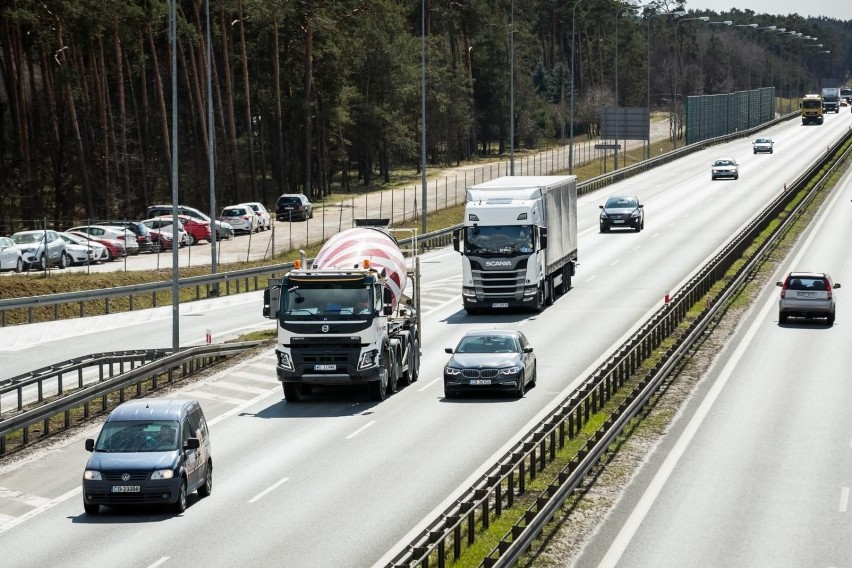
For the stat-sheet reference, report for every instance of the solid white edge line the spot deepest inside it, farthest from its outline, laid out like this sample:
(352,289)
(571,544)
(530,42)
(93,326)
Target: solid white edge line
(159,562)
(638,514)
(268,490)
(361,429)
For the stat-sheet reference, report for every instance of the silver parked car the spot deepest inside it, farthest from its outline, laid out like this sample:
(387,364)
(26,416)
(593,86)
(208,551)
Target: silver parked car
(33,244)
(725,168)
(10,255)
(808,295)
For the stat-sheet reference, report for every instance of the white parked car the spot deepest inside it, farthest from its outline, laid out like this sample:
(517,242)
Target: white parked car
(10,255)
(264,220)
(32,245)
(167,225)
(241,217)
(122,234)
(82,250)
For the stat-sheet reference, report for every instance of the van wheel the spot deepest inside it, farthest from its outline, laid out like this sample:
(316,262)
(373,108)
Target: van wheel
(782,317)
(292,392)
(179,506)
(207,488)
(91,508)
(831,319)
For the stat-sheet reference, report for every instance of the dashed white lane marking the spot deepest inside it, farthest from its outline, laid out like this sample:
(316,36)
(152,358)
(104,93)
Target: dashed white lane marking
(361,429)
(40,509)
(637,247)
(844,499)
(237,387)
(210,396)
(22,497)
(270,366)
(159,562)
(614,262)
(426,386)
(268,490)
(592,277)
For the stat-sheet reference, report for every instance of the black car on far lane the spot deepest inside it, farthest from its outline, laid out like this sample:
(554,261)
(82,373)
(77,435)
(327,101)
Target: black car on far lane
(490,359)
(622,212)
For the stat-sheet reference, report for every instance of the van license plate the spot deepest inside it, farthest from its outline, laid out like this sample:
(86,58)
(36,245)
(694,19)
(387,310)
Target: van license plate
(500,305)
(126,489)
(325,367)
(480,381)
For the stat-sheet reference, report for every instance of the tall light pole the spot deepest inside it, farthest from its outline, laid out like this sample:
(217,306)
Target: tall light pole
(676,14)
(211,140)
(674,93)
(175,247)
(752,26)
(512,92)
(423,115)
(701,53)
(571,123)
(617,15)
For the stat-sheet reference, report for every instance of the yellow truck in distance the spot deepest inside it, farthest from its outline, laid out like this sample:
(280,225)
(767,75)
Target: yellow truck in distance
(811,107)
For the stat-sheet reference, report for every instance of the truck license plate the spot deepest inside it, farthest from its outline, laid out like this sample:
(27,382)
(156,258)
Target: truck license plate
(325,367)
(126,489)
(500,305)
(480,381)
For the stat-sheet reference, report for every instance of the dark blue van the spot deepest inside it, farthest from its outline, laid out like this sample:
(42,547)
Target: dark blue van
(149,451)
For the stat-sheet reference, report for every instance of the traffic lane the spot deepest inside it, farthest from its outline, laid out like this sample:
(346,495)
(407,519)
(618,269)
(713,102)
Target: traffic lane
(756,471)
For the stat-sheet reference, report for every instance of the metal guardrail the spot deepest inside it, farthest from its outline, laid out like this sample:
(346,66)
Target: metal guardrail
(188,361)
(443,539)
(252,279)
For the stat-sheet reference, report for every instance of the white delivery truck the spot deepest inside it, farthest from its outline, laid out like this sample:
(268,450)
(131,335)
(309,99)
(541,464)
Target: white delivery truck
(831,99)
(518,242)
(346,320)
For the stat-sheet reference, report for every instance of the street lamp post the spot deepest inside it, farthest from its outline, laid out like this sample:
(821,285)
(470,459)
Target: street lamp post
(700,135)
(571,123)
(751,26)
(617,15)
(674,93)
(676,14)
(512,93)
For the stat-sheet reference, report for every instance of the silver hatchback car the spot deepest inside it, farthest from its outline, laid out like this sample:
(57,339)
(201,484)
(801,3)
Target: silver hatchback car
(808,295)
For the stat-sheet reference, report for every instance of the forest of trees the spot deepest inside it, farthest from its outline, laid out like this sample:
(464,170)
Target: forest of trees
(317,96)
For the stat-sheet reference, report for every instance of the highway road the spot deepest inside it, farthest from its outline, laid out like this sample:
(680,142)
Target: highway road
(757,470)
(339,480)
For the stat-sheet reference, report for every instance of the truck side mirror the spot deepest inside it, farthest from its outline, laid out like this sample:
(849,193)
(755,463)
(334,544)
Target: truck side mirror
(457,233)
(387,302)
(271,297)
(542,238)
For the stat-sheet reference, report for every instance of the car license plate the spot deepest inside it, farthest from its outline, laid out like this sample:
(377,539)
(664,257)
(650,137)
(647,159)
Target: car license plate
(126,489)
(500,305)
(618,220)
(325,367)
(480,381)
(806,294)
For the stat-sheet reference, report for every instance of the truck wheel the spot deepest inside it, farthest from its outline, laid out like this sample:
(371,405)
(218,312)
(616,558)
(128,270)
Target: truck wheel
(539,301)
(378,390)
(414,362)
(550,290)
(393,375)
(292,392)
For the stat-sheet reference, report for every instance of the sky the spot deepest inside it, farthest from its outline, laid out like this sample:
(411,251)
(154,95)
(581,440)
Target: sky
(837,9)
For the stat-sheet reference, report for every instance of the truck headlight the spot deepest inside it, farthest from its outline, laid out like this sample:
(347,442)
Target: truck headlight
(92,475)
(530,290)
(468,292)
(284,360)
(369,359)
(162,474)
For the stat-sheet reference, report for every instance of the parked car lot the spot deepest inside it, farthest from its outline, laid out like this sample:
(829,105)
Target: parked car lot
(143,236)
(167,225)
(807,295)
(294,206)
(622,212)
(78,249)
(10,255)
(222,229)
(241,217)
(196,230)
(33,245)
(115,248)
(122,234)
(490,359)
(264,221)
(725,168)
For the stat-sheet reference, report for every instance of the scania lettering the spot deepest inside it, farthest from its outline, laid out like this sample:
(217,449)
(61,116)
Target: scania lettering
(518,242)
(352,318)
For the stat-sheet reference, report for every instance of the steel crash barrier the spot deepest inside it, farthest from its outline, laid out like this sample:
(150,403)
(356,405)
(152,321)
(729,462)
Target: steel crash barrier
(253,279)
(445,538)
(154,374)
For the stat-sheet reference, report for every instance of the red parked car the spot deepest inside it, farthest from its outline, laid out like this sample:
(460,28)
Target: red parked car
(160,240)
(196,229)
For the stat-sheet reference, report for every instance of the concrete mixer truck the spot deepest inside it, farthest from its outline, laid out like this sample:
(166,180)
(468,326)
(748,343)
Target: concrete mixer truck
(347,319)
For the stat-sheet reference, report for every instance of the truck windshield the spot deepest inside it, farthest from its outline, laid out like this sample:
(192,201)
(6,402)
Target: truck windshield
(499,240)
(811,104)
(327,300)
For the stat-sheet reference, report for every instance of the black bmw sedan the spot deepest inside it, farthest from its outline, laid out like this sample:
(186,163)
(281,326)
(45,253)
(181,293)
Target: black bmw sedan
(493,359)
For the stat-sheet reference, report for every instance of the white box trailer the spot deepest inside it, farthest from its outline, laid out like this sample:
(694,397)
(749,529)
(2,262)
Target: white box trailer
(518,242)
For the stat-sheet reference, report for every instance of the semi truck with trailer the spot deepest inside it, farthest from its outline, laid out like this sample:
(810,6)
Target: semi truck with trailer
(518,242)
(831,99)
(352,318)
